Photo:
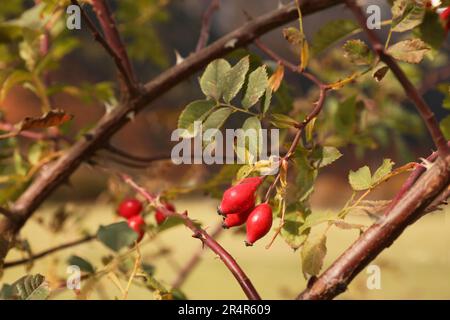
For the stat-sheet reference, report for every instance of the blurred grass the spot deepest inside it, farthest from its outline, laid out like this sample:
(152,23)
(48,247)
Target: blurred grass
(415,267)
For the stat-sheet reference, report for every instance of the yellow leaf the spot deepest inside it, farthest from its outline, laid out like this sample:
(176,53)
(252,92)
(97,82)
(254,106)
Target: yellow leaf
(276,78)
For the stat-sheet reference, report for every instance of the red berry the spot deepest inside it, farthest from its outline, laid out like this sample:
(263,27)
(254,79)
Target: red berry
(445,17)
(259,223)
(235,219)
(129,208)
(239,198)
(137,223)
(160,216)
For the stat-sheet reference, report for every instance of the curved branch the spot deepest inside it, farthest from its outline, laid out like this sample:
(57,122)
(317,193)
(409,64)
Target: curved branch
(433,182)
(422,107)
(47,252)
(206,24)
(204,237)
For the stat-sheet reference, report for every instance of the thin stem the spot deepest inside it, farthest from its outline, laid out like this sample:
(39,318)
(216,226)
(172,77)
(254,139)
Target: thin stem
(49,251)
(120,63)
(206,24)
(203,236)
(422,107)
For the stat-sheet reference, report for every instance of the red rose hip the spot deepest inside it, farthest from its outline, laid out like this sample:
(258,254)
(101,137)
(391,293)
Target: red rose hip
(129,208)
(239,198)
(160,216)
(445,17)
(259,223)
(235,219)
(137,223)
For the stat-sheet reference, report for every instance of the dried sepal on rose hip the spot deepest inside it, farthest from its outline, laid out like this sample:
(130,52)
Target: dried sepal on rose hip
(160,216)
(259,223)
(241,197)
(129,208)
(137,223)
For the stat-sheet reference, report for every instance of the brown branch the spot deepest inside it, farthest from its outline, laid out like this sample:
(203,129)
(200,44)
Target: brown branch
(60,171)
(206,24)
(204,237)
(133,157)
(431,184)
(120,62)
(112,35)
(422,107)
(47,252)
(195,259)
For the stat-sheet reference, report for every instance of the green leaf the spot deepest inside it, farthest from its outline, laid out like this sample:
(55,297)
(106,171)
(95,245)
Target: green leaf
(83,264)
(291,229)
(306,175)
(7,292)
(211,82)
(382,171)
(282,121)
(244,172)
(15,78)
(257,84)
(234,79)
(411,50)
(329,155)
(169,223)
(332,32)
(313,254)
(431,30)
(406,15)
(253,123)
(360,179)
(194,111)
(316,218)
(445,127)
(358,52)
(267,100)
(217,118)
(32,287)
(345,117)
(117,235)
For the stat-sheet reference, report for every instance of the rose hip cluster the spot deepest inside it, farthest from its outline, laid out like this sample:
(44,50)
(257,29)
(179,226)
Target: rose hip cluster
(238,207)
(131,209)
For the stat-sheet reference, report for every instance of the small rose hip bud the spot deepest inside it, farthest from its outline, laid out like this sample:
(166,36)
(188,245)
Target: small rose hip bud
(160,216)
(235,219)
(137,223)
(239,198)
(129,208)
(259,223)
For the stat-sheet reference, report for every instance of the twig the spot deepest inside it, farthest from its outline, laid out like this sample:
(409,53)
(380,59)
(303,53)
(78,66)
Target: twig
(49,251)
(43,185)
(132,157)
(120,63)
(422,107)
(206,24)
(195,259)
(112,35)
(203,236)
(383,233)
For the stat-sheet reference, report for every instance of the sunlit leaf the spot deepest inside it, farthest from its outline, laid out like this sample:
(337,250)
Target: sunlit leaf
(211,82)
(257,84)
(234,79)
(360,179)
(411,50)
(195,111)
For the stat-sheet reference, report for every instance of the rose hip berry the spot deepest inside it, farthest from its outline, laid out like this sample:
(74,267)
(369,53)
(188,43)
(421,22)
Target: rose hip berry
(137,223)
(160,216)
(235,219)
(445,17)
(129,208)
(239,198)
(259,223)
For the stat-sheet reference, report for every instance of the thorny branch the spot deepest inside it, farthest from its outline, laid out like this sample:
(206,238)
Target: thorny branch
(206,24)
(203,236)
